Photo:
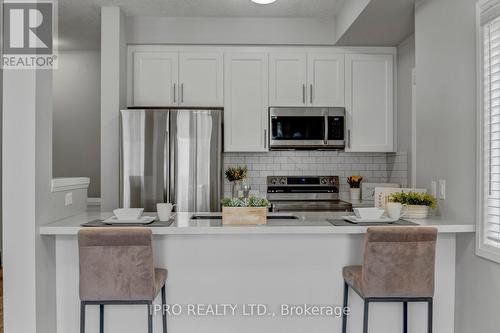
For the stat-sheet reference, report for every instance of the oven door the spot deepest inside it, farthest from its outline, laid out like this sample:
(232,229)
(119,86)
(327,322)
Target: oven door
(297,127)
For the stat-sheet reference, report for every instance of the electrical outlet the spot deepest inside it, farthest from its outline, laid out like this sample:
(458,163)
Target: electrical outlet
(442,189)
(434,188)
(68,199)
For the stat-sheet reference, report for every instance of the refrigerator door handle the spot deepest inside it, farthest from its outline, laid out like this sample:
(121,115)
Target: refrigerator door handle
(166,167)
(171,163)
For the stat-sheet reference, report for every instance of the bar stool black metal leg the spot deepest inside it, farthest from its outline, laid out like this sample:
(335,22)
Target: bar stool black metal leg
(346,299)
(101,318)
(164,313)
(82,317)
(150,318)
(429,316)
(365,317)
(405,317)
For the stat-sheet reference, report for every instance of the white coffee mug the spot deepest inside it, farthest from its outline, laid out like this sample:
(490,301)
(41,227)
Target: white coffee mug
(395,210)
(164,210)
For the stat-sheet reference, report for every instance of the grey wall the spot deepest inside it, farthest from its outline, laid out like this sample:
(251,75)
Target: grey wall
(1,119)
(446,103)
(478,290)
(241,30)
(446,107)
(76,118)
(405,63)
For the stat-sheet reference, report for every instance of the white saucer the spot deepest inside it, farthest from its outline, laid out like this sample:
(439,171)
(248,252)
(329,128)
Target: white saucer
(354,219)
(141,220)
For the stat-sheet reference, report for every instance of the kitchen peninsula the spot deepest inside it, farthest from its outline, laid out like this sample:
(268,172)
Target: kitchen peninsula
(288,261)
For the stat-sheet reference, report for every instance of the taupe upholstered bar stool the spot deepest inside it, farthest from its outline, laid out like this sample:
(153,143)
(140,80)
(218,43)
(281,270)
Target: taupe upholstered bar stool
(398,266)
(116,268)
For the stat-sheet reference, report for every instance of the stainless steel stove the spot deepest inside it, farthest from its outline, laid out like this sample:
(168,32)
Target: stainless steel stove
(305,193)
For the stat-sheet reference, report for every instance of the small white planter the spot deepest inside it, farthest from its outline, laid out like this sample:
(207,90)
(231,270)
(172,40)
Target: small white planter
(355,194)
(417,212)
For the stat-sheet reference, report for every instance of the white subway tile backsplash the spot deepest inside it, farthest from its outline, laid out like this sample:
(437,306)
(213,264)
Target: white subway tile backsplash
(374,167)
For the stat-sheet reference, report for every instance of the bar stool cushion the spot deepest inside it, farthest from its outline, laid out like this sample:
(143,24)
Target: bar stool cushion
(116,264)
(398,262)
(352,275)
(160,279)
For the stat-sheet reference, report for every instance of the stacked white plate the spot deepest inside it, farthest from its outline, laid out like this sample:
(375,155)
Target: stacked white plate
(129,216)
(368,215)
(140,220)
(354,219)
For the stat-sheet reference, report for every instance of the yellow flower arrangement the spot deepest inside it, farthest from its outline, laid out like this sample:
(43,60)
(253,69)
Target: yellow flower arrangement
(236,174)
(354,181)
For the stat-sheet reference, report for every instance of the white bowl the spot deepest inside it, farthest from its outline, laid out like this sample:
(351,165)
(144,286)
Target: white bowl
(128,213)
(368,213)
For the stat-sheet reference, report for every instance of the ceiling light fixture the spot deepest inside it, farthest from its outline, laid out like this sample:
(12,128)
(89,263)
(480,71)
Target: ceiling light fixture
(263,2)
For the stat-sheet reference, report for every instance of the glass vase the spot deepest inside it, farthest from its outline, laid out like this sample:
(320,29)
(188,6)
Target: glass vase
(236,188)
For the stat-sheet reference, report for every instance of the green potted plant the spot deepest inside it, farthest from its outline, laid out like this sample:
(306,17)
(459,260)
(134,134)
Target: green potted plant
(236,176)
(250,210)
(418,203)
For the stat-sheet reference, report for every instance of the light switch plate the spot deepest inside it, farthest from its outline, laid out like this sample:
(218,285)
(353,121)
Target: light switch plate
(434,188)
(442,189)
(68,199)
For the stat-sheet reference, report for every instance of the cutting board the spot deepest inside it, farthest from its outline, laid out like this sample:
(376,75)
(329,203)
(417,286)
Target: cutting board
(368,189)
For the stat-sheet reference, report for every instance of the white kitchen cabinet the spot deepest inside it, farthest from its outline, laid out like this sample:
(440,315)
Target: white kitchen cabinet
(306,79)
(155,78)
(325,78)
(369,101)
(287,79)
(162,78)
(245,102)
(200,79)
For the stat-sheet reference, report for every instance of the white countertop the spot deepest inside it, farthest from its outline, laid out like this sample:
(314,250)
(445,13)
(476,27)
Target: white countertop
(308,223)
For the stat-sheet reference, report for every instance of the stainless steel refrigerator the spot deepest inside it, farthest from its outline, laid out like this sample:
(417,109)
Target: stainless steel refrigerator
(171,155)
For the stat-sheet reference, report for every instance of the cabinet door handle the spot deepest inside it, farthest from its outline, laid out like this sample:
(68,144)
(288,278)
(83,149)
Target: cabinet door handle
(311,94)
(304,93)
(265,138)
(182,92)
(175,92)
(349,139)
(325,140)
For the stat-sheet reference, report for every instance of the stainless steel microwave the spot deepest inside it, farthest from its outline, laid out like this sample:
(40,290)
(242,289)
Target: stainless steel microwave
(306,128)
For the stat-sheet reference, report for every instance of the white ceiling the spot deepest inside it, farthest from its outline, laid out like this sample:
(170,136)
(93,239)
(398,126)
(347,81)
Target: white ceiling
(79,21)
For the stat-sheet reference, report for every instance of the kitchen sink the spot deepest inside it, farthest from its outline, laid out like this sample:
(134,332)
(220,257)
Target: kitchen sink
(219,217)
(206,217)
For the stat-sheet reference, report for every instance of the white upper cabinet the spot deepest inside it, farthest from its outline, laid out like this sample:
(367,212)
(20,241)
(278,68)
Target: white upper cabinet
(325,77)
(245,102)
(155,76)
(246,81)
(160,78)
(200,79)
(306,79)
(369,99)
(287,79)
